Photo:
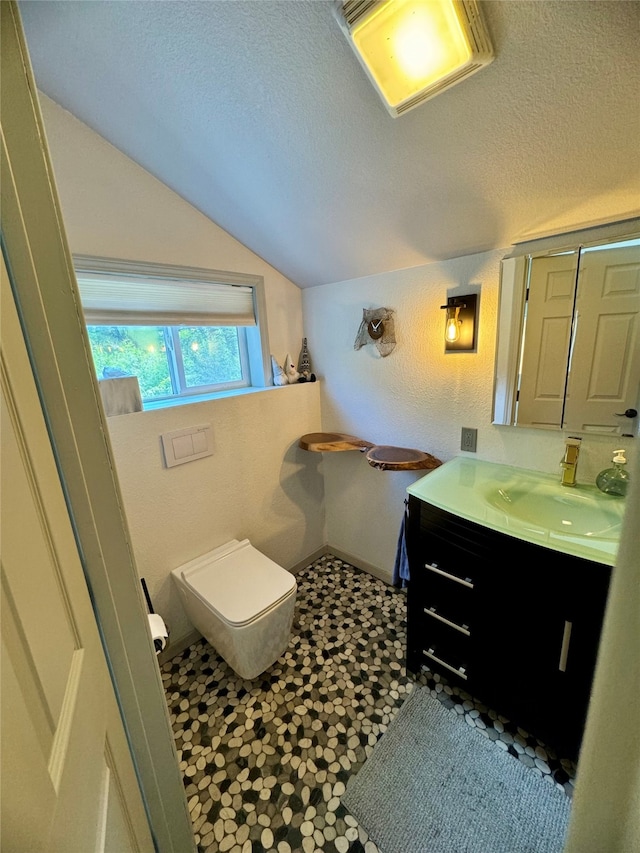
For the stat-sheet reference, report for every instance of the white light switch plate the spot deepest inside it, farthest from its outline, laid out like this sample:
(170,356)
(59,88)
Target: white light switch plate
(185,445)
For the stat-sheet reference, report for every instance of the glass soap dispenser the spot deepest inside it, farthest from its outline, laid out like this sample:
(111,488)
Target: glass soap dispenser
(615,480)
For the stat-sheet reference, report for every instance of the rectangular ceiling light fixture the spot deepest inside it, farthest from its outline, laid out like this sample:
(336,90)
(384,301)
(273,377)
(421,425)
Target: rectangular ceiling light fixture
(415,49)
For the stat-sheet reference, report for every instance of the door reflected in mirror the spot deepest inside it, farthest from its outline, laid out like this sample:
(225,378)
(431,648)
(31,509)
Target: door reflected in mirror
(568,354)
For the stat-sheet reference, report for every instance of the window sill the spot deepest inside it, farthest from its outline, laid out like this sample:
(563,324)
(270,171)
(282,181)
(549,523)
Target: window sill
(217,395)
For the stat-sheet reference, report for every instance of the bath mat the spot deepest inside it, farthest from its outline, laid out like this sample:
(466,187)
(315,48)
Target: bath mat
(433,784)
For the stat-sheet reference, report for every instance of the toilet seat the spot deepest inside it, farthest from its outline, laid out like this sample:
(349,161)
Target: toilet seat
(243,583)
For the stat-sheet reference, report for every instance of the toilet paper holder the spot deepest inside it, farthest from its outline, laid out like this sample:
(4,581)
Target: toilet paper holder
(157,627)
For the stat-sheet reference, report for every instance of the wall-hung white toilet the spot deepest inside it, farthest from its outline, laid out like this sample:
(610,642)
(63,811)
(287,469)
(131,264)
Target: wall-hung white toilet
(241,602)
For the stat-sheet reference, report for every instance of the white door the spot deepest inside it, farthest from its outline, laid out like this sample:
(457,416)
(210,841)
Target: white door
(607,339)
(67,779)
(40,267)
(545,356)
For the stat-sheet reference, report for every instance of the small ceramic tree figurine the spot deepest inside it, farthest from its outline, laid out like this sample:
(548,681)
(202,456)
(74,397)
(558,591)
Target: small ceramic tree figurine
(304,362)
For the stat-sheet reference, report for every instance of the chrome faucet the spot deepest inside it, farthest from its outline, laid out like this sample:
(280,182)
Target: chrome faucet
(569,462)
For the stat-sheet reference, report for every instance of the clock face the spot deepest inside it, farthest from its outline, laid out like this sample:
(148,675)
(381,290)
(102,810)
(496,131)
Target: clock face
(375,329)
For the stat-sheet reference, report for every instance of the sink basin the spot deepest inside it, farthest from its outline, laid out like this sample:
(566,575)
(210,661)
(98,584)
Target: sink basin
(559,509)
(529,505)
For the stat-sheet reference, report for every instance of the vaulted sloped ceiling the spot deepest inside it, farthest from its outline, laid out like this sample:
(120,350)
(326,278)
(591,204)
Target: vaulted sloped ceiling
(258,114)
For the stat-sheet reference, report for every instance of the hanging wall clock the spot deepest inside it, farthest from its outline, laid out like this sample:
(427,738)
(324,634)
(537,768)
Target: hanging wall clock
(377,327)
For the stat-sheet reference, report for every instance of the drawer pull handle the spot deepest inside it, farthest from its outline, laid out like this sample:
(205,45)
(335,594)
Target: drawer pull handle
(464,629)
(465,582)
(460,671)
(564,651)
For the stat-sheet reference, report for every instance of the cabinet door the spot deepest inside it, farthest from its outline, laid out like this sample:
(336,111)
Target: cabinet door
(522,637)
(546,348)
(541,638)
(607,339)
(585,608)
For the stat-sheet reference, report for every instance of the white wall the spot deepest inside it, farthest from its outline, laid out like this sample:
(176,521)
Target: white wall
(113,208)
(257,484)
(417,396)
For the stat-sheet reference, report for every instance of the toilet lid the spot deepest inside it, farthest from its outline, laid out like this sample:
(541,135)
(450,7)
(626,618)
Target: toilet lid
(238,582)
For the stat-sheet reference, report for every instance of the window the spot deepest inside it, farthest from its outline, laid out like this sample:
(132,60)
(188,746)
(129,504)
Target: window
(172,361)
(181,331)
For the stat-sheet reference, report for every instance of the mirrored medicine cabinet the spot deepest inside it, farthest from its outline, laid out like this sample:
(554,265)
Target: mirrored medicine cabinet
(568,350)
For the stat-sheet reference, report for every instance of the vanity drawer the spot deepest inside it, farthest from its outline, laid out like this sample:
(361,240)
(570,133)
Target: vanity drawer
(439,546)
(442,643)
(452,574)
(446,651)
(438,535)
(436,660)
(456,615)
(437,598)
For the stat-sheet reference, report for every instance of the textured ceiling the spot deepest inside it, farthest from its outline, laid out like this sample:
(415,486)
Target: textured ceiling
(258,114)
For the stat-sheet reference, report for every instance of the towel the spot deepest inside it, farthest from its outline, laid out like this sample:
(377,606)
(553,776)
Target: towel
(401,567)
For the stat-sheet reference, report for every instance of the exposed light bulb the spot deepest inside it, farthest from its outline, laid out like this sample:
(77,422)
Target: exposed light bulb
(452,329)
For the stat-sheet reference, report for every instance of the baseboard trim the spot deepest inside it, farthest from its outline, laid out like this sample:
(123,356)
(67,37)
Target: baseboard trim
(369,568)
(356,562)
(319,552)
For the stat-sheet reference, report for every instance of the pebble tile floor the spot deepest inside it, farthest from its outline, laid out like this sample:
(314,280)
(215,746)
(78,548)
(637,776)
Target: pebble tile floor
(265,762)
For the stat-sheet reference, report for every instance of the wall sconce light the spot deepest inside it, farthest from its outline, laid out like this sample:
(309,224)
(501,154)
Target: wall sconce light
(412,50)
(460,325)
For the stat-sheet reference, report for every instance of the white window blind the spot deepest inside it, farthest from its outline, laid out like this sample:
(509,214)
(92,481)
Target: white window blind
(114,298)
(176,301)
(145,301)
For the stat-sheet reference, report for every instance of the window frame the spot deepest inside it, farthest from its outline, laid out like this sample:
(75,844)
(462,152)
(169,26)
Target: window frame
(177,370)
(256,359)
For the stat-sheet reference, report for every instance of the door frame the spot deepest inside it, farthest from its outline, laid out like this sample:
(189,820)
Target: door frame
(42,277)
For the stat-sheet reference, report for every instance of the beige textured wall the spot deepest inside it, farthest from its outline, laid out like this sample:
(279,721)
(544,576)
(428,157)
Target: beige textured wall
(257,484)
(113,208)
(417,396)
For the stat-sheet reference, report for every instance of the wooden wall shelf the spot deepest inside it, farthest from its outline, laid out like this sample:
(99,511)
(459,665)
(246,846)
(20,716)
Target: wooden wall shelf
(384,457)
(321,442)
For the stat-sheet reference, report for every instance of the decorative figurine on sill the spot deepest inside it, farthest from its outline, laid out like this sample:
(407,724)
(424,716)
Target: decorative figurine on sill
(304,364)
(290,370)
(279,376)
(377,327)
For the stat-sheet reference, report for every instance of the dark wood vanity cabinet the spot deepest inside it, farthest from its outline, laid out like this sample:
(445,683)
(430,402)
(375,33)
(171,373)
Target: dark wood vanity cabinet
(514,624)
